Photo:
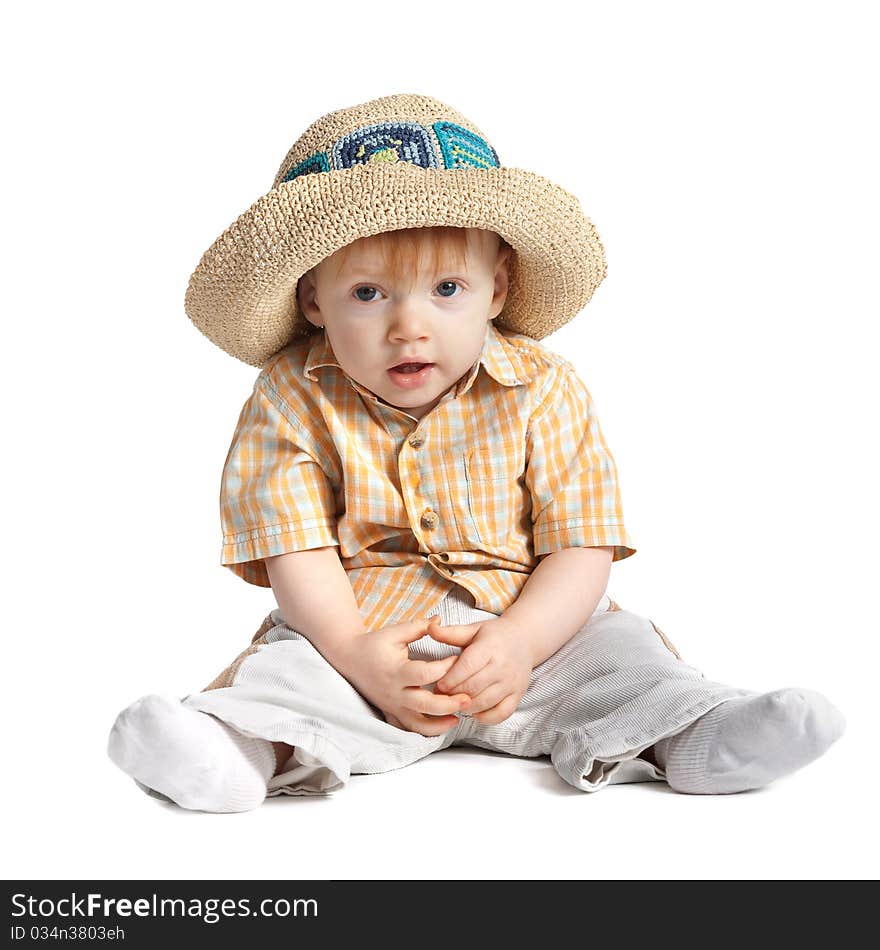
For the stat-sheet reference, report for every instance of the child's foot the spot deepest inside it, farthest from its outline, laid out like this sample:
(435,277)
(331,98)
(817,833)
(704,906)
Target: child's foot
(749,741)
(193,758)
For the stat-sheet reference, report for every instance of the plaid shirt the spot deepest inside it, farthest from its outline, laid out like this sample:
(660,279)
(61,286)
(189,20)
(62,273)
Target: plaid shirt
(509,465)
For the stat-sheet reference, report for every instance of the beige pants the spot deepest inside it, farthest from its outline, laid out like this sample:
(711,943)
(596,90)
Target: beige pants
(615,688)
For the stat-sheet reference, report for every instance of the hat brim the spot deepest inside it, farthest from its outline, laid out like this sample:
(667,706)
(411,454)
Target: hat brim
(242,294)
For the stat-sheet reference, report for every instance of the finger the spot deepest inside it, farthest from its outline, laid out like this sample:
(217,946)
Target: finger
(468,663)
(487,699)
(424,701)
(474,685)
(408,631)
(456,634)
(426,725)
(500,712)
(433,725)
(423,672)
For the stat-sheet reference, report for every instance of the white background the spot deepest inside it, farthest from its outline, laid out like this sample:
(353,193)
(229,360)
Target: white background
(726,154)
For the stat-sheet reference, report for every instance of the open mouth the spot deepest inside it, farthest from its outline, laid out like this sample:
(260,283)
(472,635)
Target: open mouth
(410,375)
(407,369)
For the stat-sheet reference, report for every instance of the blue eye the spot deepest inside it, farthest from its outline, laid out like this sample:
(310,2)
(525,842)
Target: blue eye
(368,289)
(448,283)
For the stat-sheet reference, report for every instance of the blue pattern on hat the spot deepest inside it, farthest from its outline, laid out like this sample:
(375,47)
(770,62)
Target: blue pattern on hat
(314,163)
(392,142)
(461,147)
(386,142)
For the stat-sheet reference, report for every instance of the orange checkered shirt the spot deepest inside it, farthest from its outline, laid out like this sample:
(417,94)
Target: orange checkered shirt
(511,464)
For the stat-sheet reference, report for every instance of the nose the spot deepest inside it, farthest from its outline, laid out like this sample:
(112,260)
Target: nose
(407,320)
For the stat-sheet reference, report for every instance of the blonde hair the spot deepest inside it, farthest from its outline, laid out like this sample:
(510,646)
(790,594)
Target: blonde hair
(408,250)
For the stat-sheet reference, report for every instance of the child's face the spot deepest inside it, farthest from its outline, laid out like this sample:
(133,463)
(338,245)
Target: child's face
(374,322)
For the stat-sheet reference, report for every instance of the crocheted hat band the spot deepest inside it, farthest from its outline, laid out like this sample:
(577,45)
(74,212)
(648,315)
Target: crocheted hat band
(396,162)
(440,145)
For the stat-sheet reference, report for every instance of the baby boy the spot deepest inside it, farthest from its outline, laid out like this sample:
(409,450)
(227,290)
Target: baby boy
(428,493)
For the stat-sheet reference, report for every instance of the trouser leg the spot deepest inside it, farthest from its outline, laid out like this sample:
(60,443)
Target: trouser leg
(607,695)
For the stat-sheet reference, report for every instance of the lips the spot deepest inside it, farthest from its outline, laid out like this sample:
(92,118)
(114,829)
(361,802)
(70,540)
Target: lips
(406,378)
(410,366)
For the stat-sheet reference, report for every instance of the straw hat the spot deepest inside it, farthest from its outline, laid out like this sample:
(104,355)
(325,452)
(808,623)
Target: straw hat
(402,161)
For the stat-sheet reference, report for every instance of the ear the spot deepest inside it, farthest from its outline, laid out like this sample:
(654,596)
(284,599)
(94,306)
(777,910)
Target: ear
(502,281)
(306,296)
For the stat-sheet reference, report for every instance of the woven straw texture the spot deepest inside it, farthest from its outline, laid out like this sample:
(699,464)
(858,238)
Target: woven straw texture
(242,294)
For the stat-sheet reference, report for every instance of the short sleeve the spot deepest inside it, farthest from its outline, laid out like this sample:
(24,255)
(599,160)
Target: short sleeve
(274,495)
(571,474)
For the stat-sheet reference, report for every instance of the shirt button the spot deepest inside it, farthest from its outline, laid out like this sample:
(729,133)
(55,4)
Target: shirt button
(416,441)
(429,519)
(444,557)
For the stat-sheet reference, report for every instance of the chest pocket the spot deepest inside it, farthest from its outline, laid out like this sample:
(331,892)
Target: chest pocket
(491,493)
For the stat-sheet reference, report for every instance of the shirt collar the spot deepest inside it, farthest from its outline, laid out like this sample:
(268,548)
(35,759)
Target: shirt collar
(495,358)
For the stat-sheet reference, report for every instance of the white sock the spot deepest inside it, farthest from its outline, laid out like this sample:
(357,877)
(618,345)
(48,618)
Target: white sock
(193,758)
(749,741)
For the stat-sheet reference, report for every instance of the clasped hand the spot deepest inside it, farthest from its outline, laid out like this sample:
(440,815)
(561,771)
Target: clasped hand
(486,680)
(494,667)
